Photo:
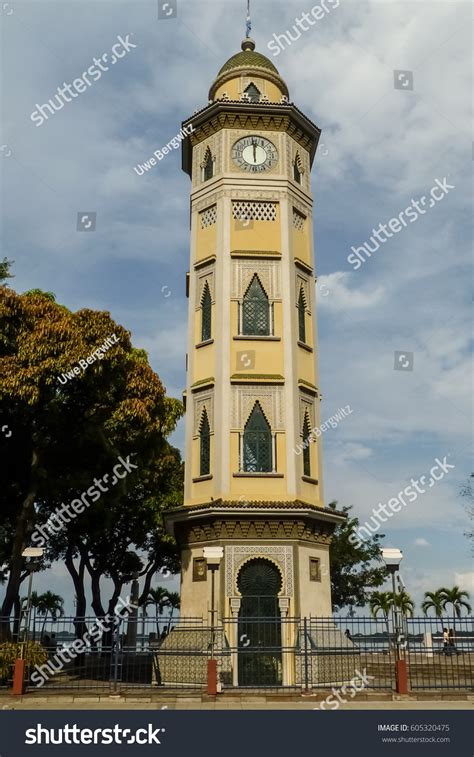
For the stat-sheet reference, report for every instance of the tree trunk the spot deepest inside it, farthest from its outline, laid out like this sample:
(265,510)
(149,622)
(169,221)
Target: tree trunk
(77,575)
(24,520)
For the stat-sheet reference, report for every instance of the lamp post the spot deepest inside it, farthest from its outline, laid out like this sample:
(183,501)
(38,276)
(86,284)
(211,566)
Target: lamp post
(20,664)
(213,557)
(132,627)
(392,558)
(33,565)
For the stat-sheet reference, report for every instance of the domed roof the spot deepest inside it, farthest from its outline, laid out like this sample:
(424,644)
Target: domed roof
(251,62)
(248,57)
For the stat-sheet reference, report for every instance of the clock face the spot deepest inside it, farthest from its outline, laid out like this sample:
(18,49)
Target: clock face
(254,154)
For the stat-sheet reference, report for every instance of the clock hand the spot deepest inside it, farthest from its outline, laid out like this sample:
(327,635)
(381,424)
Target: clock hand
(254,145)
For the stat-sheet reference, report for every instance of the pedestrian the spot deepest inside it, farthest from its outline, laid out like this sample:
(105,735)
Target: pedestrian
(451,643)
(445,641)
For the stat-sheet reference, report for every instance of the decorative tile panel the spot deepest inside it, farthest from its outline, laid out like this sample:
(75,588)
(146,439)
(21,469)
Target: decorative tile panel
(236,556)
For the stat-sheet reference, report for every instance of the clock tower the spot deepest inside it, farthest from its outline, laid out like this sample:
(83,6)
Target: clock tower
(253,482)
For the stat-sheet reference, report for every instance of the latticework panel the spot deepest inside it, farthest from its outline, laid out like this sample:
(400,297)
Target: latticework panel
(254,211)
(208,217)
(298,220)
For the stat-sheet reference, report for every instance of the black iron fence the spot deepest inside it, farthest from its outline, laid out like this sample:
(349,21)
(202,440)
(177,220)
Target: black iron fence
(252,653)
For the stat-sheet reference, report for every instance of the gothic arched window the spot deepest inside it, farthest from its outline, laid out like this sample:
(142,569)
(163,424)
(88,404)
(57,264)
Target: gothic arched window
(206,313)
(204,446)
(301,317)
(208,171)
(306,447)
(255,310)
(253,93)
(257,450)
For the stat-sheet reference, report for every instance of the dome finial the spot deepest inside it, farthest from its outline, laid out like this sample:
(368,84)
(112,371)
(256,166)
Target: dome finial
(248,44)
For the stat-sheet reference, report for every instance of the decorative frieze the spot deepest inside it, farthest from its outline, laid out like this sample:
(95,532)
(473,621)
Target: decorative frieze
(236,557)
(252,528)
(268,272)
(270,399)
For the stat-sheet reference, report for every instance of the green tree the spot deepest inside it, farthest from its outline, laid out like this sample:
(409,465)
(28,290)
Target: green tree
(65,434)
(381,602)
(50,604)
(174,604)
(157,598)
(5,271)
(355,568)
(405,603)
(434,600)
(458,601)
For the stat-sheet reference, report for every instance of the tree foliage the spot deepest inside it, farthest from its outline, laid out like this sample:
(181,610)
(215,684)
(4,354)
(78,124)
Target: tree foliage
(355,570)
(65,434)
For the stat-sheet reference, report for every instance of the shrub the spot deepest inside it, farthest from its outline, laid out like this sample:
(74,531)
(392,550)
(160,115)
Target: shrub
(10,651)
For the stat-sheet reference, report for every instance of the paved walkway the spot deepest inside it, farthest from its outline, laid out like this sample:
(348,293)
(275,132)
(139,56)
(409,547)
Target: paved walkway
(144,703)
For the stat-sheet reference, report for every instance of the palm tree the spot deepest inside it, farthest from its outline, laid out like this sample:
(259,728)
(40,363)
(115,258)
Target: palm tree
(406,605)
(49,604)
(159,598)
(457,599)
(173,604)
(381,601)
(433,600)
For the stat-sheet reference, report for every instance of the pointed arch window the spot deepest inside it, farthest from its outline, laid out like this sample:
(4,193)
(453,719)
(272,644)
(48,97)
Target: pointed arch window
(204,446)
(257,443)
(306,446)
(206,313)
(208,166)
(255,310)
(301,317)
(253,93)
(297,169)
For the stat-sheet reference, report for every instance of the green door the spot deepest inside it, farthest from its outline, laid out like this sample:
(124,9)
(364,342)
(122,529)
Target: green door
(259,625)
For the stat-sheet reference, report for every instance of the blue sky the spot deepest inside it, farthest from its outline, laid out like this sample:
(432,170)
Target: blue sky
(382,147)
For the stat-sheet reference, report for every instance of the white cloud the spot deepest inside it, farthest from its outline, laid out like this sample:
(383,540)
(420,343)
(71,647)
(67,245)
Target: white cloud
(465,581)
(336,293)
(420,542)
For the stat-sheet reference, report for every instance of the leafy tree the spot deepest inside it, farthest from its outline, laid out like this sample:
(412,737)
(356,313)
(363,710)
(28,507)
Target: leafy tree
(353,572)
(46,604)
(434,600)
(404,603)
(174,603)
(458,601)
(67,434)
(158,598)
(381,602)
(5,271)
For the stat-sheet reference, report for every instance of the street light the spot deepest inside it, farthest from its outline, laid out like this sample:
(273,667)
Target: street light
(20,663)
(213,557)
(32,565)
(392,558)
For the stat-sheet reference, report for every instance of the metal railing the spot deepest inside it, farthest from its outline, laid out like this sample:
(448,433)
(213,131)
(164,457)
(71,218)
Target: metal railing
(252,653)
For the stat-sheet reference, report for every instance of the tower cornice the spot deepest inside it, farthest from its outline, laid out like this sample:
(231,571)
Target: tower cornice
(240,114)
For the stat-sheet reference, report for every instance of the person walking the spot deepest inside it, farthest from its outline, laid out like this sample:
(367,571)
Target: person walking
(451,642)
(445,641)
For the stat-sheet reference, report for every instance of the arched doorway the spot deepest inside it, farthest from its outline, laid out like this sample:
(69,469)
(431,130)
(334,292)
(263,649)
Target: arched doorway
(259,627)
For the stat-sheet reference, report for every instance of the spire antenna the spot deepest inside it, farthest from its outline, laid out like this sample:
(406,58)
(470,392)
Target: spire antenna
(248,20)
